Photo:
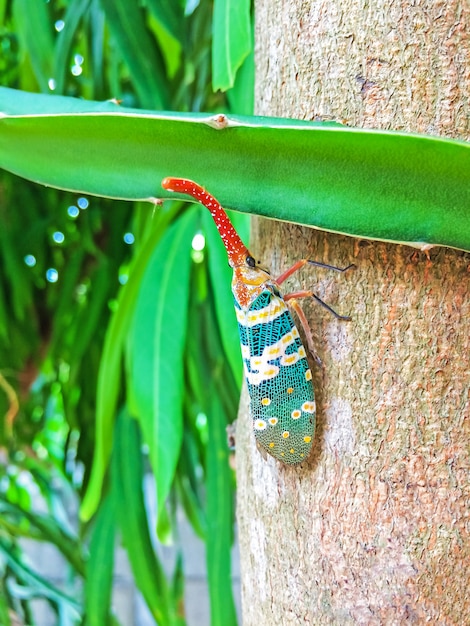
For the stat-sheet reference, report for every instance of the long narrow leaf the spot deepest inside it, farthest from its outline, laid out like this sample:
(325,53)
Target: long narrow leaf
(72,18)
(109,378)
(157,342)
(390,186)
(219,518)
(34,25)
(242,95)
(99,578)
(132,516)
(126,22)
(213,385)
(97,35)
(231,40)
(170,15)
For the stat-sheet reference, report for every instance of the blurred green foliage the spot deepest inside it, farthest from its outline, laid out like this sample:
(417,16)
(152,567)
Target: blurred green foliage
(106,307)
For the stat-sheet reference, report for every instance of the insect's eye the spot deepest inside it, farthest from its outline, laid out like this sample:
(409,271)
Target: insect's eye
(250,261)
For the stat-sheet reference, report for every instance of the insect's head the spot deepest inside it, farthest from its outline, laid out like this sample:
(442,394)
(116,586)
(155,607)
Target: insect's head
(250,272)
(249,280)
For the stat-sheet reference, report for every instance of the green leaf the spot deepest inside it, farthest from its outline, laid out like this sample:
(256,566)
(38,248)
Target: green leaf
(34,26)
(88,319)
(219,516)
(109,377)
(97,43)
(215,395)
(242,95)
(132,518)
(170,48)
(74,14)
(188,497)
(20,295)
(68,281)
(382,185)
(127,24)
(157,347)
(99,575)
(169,14)
(231,40)
(178,584)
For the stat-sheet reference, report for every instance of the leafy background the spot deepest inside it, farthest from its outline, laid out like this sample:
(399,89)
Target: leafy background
(109,314)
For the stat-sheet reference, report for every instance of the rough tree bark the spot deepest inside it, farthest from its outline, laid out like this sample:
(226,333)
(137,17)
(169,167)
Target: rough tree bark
(374,528)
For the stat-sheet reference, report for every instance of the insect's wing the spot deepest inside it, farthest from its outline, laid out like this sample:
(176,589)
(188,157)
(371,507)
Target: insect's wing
(278,377)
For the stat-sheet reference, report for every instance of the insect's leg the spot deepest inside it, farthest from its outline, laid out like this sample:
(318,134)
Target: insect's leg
(310,294)
(294,304)
(285,275)
(292,301)
(335,268)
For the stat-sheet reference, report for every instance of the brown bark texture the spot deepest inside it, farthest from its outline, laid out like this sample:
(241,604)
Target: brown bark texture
(374,527)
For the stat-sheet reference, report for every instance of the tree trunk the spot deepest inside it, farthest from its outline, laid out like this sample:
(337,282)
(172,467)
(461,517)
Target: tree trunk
(374,527)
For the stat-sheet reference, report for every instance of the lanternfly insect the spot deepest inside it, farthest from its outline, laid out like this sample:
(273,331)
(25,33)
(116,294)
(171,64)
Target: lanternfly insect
(277,372)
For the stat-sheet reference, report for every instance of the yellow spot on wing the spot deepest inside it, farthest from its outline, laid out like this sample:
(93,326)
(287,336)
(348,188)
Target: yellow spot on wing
(270,372)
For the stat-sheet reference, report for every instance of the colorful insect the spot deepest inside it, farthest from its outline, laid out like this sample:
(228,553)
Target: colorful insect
(277,372)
